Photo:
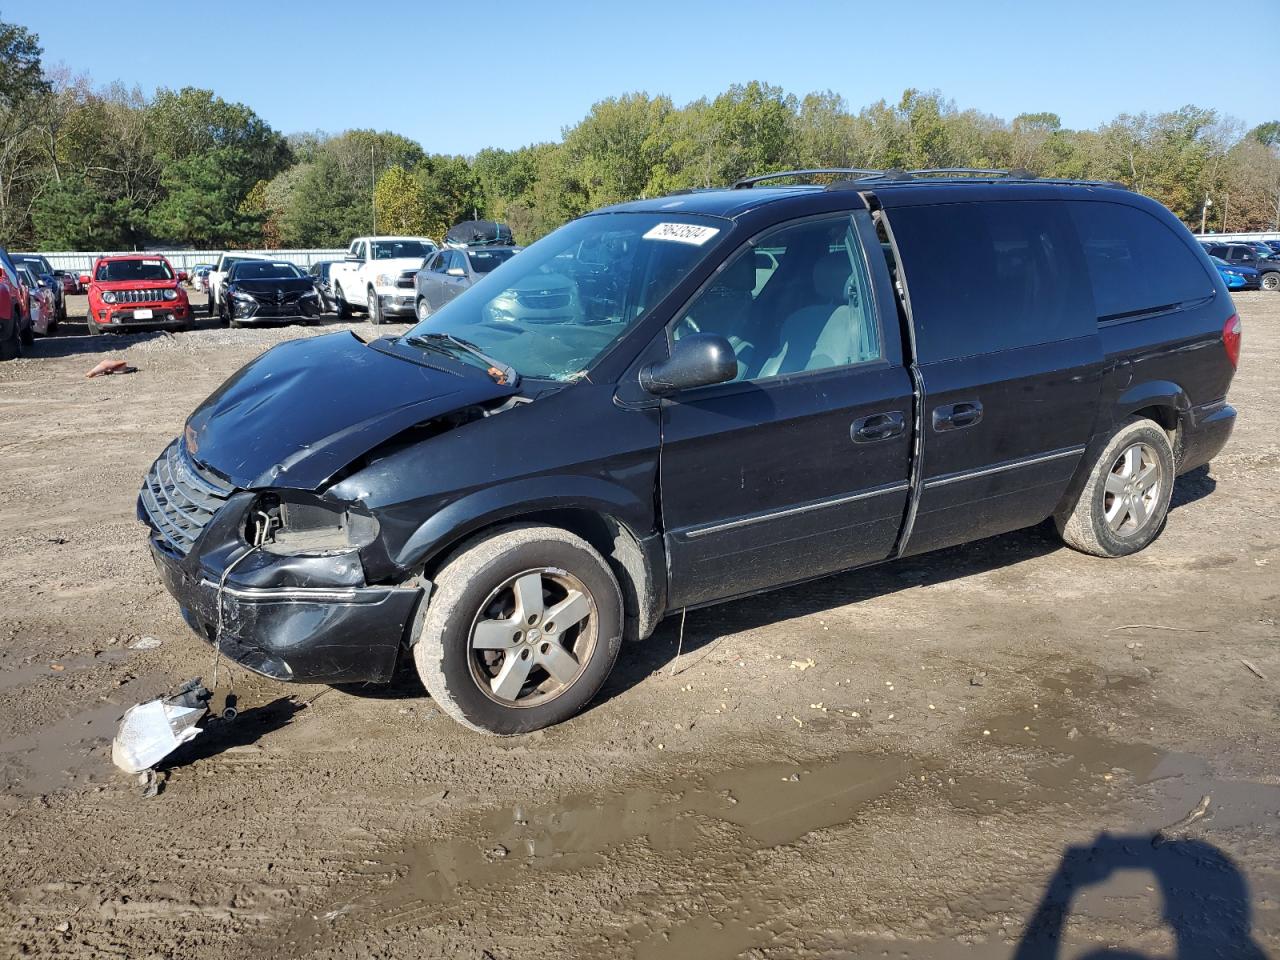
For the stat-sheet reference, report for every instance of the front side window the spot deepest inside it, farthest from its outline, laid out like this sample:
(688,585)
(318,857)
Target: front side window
(550,312)
(797,300)
(986,277)
(122,270)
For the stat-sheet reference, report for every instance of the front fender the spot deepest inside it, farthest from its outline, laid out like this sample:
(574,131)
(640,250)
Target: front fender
(520,497)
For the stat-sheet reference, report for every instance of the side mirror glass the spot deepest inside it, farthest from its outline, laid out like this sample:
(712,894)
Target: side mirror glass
(698,360)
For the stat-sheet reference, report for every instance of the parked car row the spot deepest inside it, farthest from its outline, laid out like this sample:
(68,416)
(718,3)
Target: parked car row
(1247,264)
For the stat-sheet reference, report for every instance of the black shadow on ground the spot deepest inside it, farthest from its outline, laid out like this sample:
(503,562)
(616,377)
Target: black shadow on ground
(248,727)
(1206,898)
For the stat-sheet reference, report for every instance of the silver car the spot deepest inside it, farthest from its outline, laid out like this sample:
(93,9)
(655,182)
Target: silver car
(448,272)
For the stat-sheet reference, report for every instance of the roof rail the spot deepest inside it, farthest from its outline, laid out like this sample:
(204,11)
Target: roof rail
(746,183)
(973,171)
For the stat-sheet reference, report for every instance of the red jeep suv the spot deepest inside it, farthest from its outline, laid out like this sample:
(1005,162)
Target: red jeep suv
(138,290)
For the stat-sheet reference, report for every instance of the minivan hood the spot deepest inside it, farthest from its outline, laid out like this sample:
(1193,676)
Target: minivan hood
(305,409)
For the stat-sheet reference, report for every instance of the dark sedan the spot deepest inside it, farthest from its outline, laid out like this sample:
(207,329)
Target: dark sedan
(447,273)
(267,290)
(319,274)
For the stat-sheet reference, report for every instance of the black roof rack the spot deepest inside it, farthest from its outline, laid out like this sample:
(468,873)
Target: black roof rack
(747,183)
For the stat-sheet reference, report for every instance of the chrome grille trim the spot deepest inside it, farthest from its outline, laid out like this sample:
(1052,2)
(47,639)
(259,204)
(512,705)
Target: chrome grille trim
(180,498)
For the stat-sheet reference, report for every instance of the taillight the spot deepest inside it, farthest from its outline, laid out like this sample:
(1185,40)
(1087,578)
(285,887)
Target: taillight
(1231,339)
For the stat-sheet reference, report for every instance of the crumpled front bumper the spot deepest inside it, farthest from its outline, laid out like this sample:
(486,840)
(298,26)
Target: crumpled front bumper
(303,619)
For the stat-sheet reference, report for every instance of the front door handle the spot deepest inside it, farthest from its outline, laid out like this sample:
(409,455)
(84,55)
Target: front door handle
(953,416)
(878,426)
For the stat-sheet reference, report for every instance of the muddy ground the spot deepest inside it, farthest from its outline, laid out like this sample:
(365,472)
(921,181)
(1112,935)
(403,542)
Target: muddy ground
(968,754)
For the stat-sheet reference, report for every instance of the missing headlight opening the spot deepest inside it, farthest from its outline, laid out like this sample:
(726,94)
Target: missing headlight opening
(290,525)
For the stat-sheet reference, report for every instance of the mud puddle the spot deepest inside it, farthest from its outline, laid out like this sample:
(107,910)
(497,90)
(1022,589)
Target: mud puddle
(58,669)
(723,816)
(73,751)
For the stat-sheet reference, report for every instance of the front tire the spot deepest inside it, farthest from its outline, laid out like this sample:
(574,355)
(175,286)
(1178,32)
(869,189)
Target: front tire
(340,304)
(523,628)
(1271,281)
(375,308)
(1123,504)
(422,309)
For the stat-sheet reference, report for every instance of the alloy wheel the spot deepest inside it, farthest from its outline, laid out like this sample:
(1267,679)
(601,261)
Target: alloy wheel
(1133,489)
(533,637)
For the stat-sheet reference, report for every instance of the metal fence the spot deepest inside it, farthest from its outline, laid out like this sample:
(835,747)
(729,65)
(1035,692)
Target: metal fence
(186,259)
(1233,237)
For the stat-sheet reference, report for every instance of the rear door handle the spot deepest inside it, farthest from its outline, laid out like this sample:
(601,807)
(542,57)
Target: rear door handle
(878,426)
(953,416)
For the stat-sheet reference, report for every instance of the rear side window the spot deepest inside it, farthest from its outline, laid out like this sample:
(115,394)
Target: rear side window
(986,277)
(1137,263)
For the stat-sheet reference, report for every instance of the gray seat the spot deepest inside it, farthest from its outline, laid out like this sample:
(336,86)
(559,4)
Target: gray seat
(828,331)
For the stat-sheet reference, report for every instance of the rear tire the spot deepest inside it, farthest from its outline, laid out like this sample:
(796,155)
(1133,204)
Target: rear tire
(1125,500)
(489,650)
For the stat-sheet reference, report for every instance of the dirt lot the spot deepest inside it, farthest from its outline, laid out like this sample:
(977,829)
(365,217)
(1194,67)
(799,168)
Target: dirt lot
(962,755)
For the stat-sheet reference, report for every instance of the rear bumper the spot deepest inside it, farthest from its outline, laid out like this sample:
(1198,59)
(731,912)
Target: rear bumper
(1205,432)
(315,634)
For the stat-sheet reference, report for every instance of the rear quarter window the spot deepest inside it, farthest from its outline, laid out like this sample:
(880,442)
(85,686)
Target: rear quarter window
(986,277)
(1136,263)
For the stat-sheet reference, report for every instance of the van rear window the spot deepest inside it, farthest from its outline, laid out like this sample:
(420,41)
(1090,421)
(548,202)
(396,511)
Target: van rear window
(1137,264)
(986,277)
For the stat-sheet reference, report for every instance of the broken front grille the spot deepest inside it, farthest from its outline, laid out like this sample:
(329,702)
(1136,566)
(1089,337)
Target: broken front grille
(139,296)
(181,498)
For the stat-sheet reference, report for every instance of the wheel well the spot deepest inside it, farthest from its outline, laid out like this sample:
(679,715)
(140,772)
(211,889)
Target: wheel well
(1168,418)
(614,541)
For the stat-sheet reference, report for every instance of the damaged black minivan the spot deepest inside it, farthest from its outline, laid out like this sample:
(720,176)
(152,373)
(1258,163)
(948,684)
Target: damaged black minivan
(678,401)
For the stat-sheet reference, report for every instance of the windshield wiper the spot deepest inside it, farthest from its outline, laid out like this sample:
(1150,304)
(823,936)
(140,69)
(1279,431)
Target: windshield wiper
(503,373)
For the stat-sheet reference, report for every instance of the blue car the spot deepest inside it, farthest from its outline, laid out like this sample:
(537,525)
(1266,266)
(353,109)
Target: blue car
(1237,277)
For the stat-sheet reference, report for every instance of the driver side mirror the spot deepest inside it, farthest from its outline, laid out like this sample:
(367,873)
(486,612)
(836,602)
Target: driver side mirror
(456,272)
(353,258)
(698,360)
(84,279)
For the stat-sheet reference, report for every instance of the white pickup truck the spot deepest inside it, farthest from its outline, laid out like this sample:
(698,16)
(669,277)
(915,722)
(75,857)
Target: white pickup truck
(377,276)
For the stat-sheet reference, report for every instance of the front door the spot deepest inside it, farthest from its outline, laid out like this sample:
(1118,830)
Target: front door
(799,467)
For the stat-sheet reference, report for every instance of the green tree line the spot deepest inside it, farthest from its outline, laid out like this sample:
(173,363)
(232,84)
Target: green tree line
(84,167)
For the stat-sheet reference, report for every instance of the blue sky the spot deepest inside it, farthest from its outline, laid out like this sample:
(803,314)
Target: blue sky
(458,76)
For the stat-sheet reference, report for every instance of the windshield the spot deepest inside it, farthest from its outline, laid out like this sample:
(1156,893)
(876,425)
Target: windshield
(550,311)
(264,270)
(121,270)
(401,249)
(482,261)
(37,263)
